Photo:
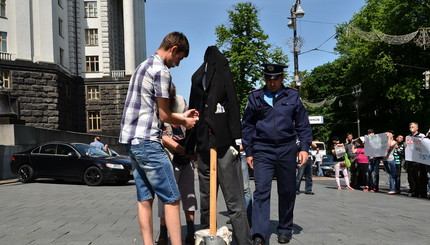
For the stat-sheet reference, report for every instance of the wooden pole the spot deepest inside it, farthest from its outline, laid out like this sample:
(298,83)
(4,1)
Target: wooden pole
(212,192)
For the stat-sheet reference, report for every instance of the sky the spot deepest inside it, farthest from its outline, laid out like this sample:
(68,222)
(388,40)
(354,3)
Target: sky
(197,19)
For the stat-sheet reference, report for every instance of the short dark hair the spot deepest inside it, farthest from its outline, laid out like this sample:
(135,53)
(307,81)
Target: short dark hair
(176,39)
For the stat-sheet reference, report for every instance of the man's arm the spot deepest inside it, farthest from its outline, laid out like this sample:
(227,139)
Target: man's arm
(172,145)
(176,118)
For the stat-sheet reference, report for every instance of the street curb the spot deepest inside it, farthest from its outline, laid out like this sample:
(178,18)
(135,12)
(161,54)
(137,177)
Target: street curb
(8,181)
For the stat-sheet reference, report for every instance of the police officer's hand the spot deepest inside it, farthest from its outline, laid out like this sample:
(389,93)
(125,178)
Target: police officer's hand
(250,161)
(303,157)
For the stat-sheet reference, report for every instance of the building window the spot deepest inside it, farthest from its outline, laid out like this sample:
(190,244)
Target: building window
(2,8)
(91,37)
(93,93)
(92,63)
(60,27)
(3,42)
(61,56)
(6,79)
(94,120)
(68,89)
(90,9)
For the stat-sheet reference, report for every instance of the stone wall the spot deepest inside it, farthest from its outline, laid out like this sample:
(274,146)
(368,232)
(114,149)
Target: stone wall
(110,105)
(48,99)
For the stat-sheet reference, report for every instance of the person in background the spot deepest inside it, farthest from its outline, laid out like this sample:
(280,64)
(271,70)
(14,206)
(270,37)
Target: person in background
(373,170)
(350,145)
(399,158)
(318,161)
(173,137)
(339,163)
(362,164)
(306,170)
(146,106)
(97,143)
(417,175)
(389,163)
(428,170)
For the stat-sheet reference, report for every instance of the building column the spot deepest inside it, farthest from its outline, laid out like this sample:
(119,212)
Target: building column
(129,41)
(134,34)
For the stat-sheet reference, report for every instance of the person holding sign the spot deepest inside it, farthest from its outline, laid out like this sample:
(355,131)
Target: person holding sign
(389,163)
(417,176)
(374,160)
(339,151)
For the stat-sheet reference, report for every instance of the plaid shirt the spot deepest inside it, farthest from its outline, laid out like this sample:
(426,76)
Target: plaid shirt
(140,120)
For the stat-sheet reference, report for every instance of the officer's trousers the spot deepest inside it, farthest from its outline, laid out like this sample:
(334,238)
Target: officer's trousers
(229,175)
(270,160)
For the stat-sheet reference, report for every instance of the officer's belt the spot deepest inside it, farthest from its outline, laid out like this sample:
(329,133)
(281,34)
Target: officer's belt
(274,142)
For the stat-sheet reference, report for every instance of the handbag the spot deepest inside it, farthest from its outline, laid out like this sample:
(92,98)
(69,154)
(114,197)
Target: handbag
(347,161)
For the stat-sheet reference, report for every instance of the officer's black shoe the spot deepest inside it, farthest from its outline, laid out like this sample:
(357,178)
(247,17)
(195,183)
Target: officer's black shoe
(297,192)
(309,193)
(284,238)
(258,241)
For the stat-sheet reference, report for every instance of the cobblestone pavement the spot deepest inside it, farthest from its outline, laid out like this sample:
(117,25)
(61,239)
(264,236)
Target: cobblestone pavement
(46,212)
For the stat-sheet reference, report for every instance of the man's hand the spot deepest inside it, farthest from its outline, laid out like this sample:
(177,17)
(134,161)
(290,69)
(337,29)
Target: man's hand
(303,158)
(190,122)
(250,161)
(191,113)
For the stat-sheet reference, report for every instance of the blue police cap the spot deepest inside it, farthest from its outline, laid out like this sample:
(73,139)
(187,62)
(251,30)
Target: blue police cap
(273,71)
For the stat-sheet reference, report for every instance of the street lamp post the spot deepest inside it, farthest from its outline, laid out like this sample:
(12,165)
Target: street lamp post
(356,92)
(296,12)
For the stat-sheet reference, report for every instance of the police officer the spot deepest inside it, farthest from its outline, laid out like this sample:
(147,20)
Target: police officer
(274,121)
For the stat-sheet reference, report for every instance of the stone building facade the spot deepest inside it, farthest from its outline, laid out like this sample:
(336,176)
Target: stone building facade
(67,63)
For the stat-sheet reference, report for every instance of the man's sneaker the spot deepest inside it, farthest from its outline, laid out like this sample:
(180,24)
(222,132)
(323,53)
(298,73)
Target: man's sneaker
(284,238)
(258,241)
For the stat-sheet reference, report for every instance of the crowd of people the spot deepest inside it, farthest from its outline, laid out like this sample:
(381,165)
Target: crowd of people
(364,170)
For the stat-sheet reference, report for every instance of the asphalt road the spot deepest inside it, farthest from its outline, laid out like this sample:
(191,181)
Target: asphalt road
(46,212)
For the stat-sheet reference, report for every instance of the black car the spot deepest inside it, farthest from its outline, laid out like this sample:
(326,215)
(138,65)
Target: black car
(71,161)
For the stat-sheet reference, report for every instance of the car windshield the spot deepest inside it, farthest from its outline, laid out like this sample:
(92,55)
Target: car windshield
(113,153)
(327,158)
(88,150)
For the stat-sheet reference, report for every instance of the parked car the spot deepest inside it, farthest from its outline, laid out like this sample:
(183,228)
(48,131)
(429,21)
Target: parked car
(327,165)
(71,161)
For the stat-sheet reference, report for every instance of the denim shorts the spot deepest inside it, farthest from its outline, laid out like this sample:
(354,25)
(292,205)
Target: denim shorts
(153,172)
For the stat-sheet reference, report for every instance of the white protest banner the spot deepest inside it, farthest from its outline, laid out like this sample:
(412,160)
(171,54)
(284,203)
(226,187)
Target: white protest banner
(376,145)
(340,150)
(417,149)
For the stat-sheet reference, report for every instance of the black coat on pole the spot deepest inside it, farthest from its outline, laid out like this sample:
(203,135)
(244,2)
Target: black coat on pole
(219,123)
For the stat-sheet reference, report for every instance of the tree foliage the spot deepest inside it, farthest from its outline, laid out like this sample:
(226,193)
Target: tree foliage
(391,76)
(245,45)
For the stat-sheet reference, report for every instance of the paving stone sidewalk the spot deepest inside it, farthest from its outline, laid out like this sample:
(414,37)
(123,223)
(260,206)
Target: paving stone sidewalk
(46,212)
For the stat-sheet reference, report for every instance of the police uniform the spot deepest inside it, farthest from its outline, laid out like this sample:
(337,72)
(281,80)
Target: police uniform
(271,125)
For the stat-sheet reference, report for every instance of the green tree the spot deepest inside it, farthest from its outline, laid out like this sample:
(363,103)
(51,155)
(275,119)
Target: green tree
(390,75)
(245,45)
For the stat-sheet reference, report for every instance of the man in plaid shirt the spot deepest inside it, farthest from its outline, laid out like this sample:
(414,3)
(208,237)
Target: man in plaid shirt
(146,106)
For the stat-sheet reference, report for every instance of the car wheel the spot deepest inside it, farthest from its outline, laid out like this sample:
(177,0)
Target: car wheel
(93,176)
(26,174)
